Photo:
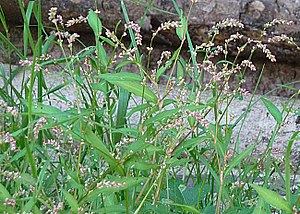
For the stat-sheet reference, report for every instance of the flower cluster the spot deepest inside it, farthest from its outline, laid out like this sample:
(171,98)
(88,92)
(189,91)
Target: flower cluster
(68,36)
(277,22)
(265,50)
(176,122)
(164,55)
(242,91)
(166,26)
(8,108)
(122,144)
(110,184)
(234,37)
(219,49)
(199,118)
(29,63)
(9,202)
(5,137)
(25,62)
(39,124)
(8,175)
(74,21)
(54,18)
(58,207)
(52,13)
(282,38)
(64,35)
(44,57)
(130,53)
(249,64)
(137,31)
(111,35)
(229,22)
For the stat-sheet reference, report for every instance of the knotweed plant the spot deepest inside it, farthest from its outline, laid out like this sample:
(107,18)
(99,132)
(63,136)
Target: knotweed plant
(125,143)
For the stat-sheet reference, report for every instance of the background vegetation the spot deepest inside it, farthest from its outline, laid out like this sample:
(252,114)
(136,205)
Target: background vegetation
(125,145)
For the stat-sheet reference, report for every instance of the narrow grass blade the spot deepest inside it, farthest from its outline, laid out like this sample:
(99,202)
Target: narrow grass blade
(131,33)
(236,160)
(25,31)
(48,43)
(121,113)
(11,45)
(211,170)
(3,20)
(287,166)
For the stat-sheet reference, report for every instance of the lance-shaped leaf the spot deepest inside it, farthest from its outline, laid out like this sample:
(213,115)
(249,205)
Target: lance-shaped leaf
(130,82)
(273,198)
(95,22)
(273,110)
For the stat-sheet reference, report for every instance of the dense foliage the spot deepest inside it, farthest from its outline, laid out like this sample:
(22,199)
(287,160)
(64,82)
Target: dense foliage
(128,144)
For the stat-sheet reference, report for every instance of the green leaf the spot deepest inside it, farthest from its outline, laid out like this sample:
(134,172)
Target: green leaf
(180,70)
(112,209)
(44,110)
(162,69)
(130,82)
(102,54)
(273,198)
(29,205)
(138,108)
(94,141)
(273,110)
(4,193)
(140,165)
(181,31)
(261,207)
(160,116)
(121,113)
(236,160)
(168,113)
(101,86)
(122,64)
(287,165)
(108,41)
(239,210)
(11,45)
(71,201)
(187,208)
(95,23)
(26,179)
(121,76)
(189,144)
(48,43)
(127,183)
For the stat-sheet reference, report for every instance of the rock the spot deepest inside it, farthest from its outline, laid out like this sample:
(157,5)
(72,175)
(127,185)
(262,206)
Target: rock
(203,15)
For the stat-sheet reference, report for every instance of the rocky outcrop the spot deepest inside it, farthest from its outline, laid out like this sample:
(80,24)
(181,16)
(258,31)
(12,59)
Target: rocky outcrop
(204,13)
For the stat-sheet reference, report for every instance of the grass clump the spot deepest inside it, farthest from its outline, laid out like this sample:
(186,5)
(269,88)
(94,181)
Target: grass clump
(128,144)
